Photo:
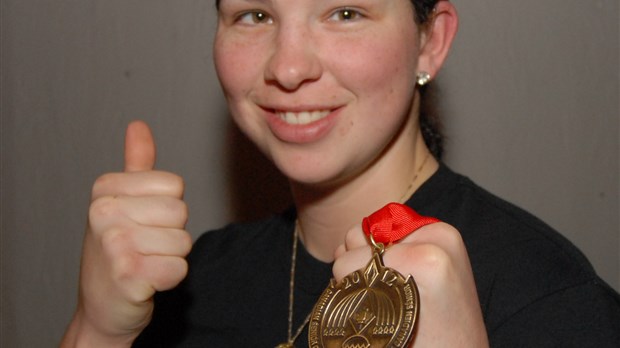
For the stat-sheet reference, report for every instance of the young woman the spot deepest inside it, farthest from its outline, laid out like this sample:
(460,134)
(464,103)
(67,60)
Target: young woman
(330,91)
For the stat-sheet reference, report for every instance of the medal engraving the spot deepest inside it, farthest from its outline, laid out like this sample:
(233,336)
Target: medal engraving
(372,307)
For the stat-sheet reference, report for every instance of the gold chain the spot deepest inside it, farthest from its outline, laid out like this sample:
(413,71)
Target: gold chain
(291,297)
(409,191)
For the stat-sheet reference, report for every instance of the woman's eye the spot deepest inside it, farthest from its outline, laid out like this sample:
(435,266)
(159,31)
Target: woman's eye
(254,17)
(345,14)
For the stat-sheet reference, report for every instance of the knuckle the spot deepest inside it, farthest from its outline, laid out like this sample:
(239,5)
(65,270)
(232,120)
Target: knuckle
(182,211)
(453,236)
(349,238)
(176,184)
(102,183)
(432,257)
(186,242)
(172,272)
(125,267)
(175,210)
(181,270)
(337,269)
(138,292)
(115,240)
(449,236)
(181,182)
(339,251)
(350,261)
(103,207)
(354,237)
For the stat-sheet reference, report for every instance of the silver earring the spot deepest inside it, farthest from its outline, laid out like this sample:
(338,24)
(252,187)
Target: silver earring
(423,78)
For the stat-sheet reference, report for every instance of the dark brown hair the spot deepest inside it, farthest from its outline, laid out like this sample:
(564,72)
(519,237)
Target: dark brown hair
(423,10)
(430,122)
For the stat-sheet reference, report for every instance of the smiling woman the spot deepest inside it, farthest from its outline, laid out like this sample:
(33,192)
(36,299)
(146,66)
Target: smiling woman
(284,68)
(330,91)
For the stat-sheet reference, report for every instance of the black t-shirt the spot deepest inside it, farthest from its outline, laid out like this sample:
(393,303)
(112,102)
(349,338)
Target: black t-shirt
(535,288)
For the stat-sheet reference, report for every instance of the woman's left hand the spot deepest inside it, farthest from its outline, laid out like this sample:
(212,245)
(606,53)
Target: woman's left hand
(435,255)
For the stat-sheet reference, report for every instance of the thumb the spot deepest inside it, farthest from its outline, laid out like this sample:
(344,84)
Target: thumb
(139,147)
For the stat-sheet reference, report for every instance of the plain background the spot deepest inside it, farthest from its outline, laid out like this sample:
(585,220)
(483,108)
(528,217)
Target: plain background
(530,98)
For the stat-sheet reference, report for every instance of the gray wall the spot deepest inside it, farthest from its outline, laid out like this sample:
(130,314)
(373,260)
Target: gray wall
(530,98)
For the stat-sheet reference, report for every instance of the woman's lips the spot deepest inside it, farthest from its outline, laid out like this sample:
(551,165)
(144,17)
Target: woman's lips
(303,117)
(301,126)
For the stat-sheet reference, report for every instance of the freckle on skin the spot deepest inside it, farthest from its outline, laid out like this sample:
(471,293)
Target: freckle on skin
(345,130)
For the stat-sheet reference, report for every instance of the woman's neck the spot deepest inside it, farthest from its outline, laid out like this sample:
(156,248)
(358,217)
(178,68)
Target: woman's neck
(326,214)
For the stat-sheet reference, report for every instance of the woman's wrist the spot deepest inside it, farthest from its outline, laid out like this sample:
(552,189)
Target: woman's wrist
(81,333)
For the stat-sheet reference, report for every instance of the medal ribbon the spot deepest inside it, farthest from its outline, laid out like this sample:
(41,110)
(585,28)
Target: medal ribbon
(394,222)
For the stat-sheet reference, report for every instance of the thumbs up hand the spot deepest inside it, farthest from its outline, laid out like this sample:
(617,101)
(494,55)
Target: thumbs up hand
(135,245)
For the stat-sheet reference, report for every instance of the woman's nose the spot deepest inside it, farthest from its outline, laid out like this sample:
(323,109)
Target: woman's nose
(294,59)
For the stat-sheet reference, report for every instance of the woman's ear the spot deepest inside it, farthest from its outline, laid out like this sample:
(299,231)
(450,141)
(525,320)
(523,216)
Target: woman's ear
(436,38)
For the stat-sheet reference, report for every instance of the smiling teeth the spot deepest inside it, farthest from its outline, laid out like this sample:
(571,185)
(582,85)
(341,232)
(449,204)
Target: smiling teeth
(303,117)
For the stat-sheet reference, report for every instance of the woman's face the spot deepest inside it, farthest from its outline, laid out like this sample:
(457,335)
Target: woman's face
(322,87)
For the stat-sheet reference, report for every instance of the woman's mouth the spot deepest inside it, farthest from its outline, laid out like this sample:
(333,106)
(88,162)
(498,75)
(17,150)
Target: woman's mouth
(302,126)
(302,118)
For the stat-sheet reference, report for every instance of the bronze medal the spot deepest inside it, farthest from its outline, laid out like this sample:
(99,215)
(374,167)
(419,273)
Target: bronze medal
(372,307)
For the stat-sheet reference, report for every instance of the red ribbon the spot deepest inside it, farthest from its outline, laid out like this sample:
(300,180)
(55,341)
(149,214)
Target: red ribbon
(394,222)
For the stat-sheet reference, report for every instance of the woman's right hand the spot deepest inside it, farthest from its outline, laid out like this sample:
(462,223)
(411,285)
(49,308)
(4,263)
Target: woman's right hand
(135,245)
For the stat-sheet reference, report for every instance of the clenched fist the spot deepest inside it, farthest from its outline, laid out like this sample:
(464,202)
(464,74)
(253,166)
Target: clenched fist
(435,255)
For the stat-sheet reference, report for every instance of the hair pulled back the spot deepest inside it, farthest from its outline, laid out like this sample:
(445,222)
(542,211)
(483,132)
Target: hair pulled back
(430,123)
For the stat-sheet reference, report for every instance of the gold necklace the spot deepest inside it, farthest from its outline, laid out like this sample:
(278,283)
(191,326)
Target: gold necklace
(290,342)
(409,190)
